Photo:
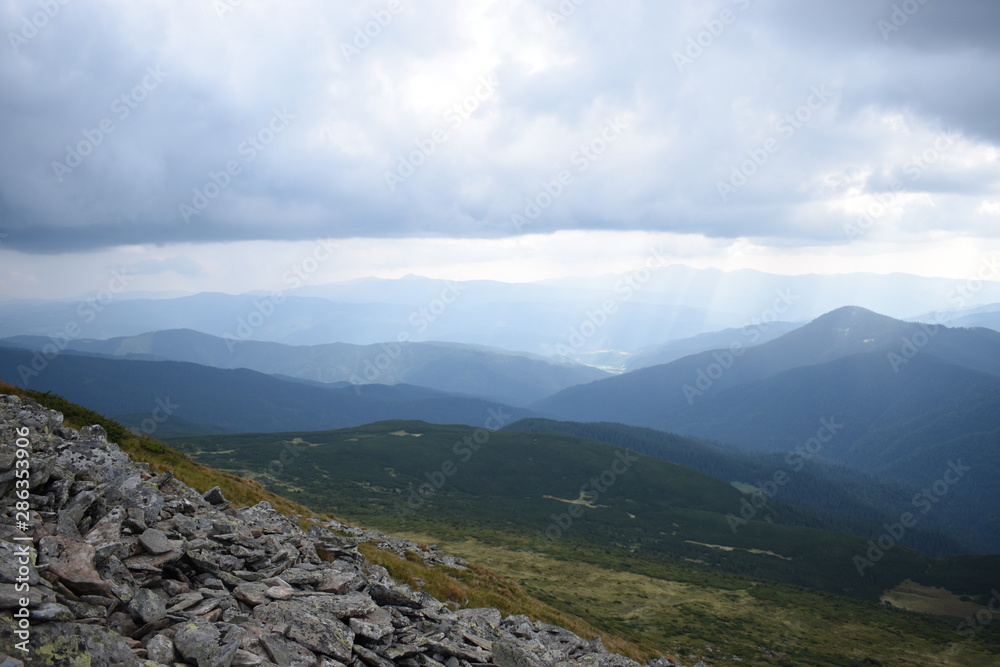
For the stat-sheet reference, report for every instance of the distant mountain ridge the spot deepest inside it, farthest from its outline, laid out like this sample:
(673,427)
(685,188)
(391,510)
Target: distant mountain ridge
(173,397)
(910,398)
(516,378)
(676,302)
(642,395)
(752,334)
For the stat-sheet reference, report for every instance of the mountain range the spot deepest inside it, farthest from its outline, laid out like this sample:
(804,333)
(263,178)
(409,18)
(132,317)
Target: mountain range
(165,397)
(576,318)
(908,403)
(492,373)
(852,456)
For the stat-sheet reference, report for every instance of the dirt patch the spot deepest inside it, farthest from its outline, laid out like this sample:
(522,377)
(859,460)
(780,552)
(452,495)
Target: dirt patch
(927,600)
(753,551)
(582,500)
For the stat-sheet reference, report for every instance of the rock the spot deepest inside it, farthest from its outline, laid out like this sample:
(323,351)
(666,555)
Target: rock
(118,578)
(396,595)
(133,492)
(214,496)
(72,562)
(122,623)
(285,653)
(174,588)
(482,621)
(334,583)
(147,606)
(152,562)
(374,626)
(352,605)
(106,535)
(11,597)
(252,593)
(179,603)
(247,659)
(507,654)
(7,661)
(323,635)
(65,643)
(300,577)
(280,592)
(78,506)
(155,541)
(13,557)
(160,648)
(371,658)
(51,611)
(209,644)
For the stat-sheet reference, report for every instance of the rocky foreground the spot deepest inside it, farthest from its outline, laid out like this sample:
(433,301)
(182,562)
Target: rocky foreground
(113,565)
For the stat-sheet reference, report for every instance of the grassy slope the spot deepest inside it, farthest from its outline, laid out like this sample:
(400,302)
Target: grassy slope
(478,587)
(637,614)
(658,510)
(671,604)
(734,620)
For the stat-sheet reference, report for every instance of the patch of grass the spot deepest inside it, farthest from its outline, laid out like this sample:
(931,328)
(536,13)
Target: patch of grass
(480,587)
(744,623)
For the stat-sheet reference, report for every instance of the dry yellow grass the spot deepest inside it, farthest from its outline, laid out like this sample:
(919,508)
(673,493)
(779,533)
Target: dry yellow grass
(927,600)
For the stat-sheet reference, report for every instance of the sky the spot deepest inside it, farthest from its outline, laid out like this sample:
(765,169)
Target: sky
(208,145)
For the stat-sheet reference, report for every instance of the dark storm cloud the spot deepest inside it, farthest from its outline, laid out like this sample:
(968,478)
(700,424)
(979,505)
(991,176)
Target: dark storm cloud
(166,122)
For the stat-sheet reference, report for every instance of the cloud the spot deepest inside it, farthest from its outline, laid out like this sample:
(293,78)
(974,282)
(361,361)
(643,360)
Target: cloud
(182,266)
(175,106)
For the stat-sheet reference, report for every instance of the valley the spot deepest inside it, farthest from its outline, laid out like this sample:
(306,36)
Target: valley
(809,483)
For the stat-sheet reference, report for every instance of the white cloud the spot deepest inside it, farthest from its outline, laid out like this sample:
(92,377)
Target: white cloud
(556,87)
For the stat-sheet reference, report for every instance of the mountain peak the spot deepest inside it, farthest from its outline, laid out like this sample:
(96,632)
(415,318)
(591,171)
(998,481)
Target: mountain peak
(853,316)
(846,330)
